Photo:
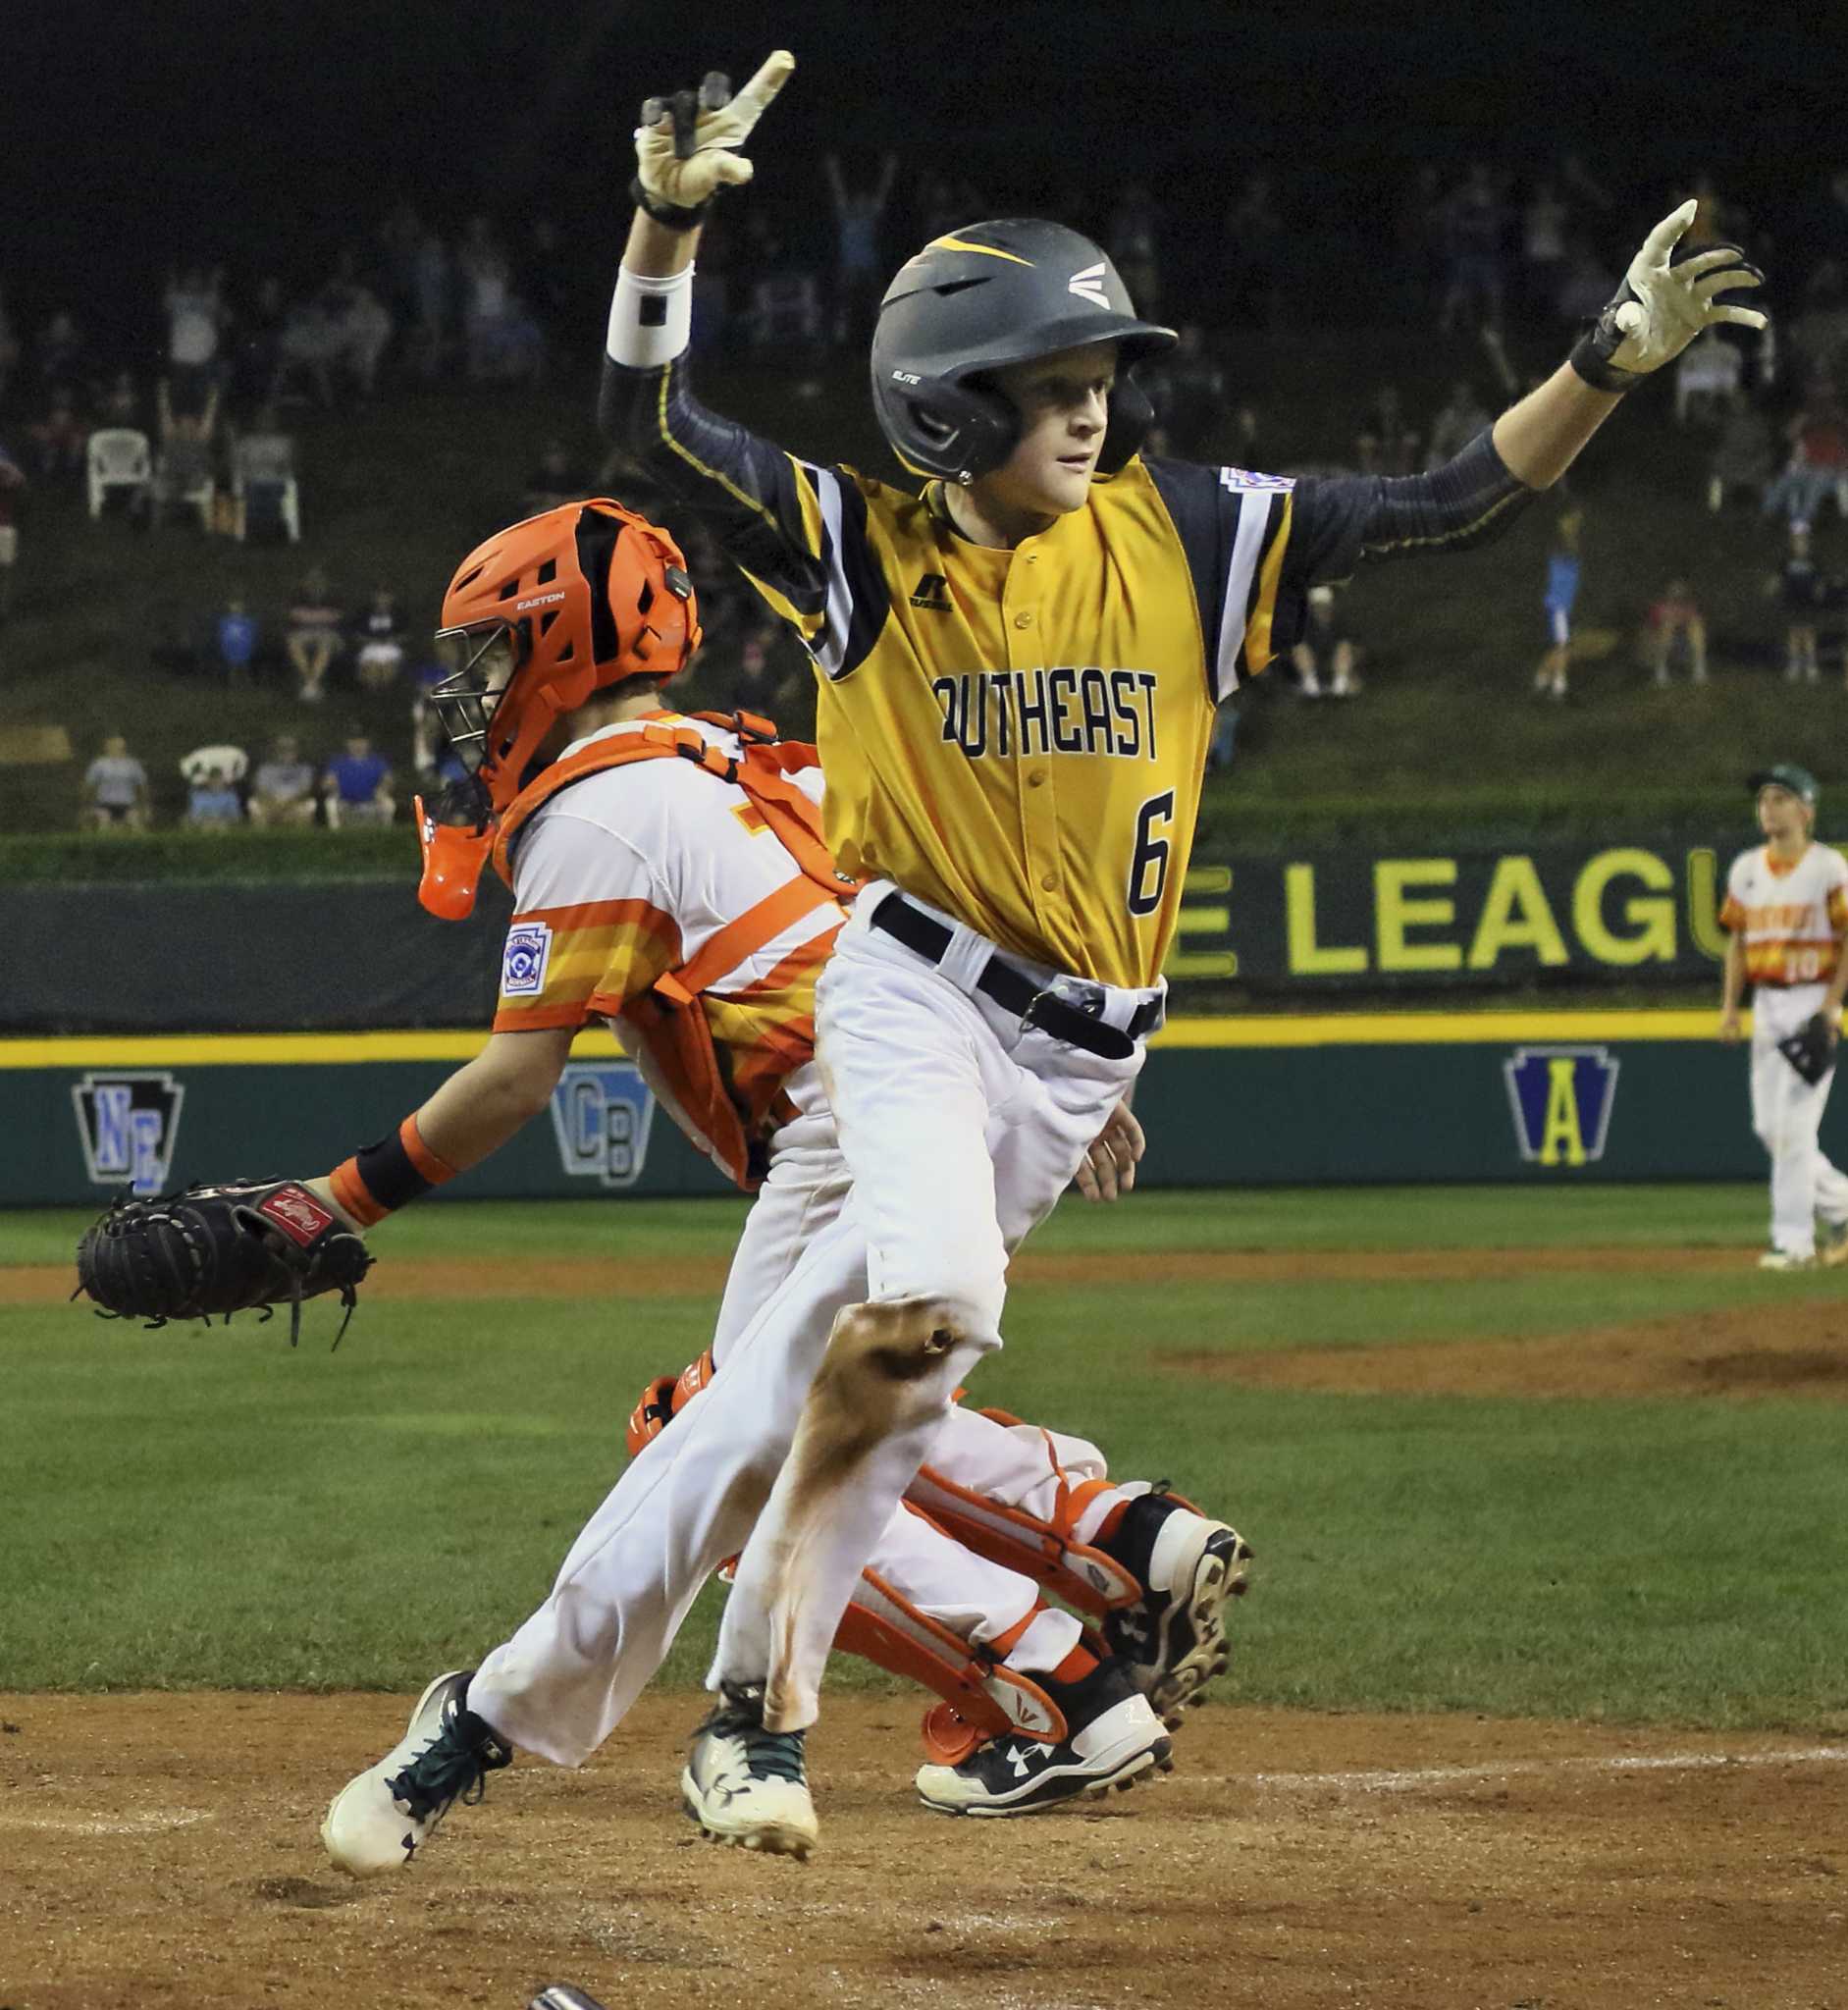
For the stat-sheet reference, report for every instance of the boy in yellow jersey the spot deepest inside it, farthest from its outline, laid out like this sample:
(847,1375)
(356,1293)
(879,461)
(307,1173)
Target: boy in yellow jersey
(1786,917)
(1017,669)
(669,877)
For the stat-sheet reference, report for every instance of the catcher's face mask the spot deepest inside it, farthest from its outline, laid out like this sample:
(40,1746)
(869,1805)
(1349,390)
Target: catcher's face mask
(455,830)
(482,662)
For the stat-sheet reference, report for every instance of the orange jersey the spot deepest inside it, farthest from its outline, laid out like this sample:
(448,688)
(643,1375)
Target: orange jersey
(634,873)
(1790,916)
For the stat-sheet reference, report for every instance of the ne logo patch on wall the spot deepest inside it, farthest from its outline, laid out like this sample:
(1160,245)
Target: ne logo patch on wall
(523,962)
(1561,1098)
(601,1112)
(129,1119)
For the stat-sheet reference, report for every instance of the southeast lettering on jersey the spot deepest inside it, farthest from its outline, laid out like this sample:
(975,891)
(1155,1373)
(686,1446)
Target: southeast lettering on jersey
(1013,714)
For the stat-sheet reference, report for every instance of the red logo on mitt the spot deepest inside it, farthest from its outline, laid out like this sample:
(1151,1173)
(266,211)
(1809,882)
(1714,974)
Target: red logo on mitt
(297,1212)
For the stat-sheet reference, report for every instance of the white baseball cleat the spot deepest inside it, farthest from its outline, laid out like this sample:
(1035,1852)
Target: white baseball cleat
(1173,1642)
(1788,1259)
(1112,1738)
(746,1785)
(1832,1247)
(379,1821)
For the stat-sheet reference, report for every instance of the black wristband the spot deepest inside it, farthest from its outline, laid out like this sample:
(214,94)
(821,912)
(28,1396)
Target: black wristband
(1589,364)
(670,215)
(388,1174)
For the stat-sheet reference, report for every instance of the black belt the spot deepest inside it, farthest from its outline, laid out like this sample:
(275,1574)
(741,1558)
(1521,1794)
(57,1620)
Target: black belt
(1014,992)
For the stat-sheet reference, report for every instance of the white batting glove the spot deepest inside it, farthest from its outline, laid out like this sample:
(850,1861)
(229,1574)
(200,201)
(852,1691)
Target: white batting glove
(686,147)
(1662,305)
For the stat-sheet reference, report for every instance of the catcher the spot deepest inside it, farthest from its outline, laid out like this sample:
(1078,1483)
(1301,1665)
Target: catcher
(669,874)
(1787,918)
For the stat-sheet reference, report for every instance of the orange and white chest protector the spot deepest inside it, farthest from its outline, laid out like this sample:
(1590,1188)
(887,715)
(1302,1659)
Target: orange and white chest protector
(648,886)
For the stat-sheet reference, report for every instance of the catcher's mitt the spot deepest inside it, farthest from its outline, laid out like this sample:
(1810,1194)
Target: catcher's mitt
(1810,1050)
(221,1249)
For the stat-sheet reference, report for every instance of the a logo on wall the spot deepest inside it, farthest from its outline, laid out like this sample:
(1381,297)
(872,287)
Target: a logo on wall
(1561,1098)
(601,1113)
(128,1121)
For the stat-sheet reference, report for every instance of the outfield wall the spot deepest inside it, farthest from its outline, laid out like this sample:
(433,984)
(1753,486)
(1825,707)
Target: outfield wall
(1265,1101)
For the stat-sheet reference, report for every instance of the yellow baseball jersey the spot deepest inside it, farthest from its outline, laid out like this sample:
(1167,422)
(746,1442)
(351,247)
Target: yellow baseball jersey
(1790,916)
(1019,736)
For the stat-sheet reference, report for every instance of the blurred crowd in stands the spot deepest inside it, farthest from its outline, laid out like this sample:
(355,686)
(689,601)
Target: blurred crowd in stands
(352,787)
(196,426)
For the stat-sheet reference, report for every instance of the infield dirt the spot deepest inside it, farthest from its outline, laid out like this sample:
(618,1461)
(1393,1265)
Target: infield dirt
(160,1850)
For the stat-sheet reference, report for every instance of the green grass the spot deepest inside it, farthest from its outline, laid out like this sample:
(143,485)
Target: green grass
(207,1508)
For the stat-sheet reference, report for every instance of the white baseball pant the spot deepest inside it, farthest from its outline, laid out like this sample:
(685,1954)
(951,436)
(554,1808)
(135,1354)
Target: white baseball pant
(693,1496)
(1787,1115)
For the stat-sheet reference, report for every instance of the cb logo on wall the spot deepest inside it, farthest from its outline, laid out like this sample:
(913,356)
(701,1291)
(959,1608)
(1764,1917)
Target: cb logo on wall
(128,1121)
(601,1113)
(1561,1098)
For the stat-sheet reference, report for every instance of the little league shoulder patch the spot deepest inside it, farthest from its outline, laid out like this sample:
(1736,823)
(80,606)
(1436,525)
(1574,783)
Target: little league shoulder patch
(523,962)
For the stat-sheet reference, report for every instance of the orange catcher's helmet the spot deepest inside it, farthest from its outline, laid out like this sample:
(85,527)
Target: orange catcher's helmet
(535,622)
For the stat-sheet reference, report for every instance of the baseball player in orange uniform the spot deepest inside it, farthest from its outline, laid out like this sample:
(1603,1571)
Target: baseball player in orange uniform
(669,876)
(1786,914)
(1018,666)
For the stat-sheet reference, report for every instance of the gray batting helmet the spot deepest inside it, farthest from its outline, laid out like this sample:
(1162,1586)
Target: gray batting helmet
(981,298)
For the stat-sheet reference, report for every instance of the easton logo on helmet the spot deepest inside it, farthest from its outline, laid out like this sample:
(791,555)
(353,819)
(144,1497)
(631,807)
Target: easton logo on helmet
(1088,285)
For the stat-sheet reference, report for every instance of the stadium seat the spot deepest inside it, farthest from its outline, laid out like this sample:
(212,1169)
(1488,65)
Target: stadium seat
(118,457)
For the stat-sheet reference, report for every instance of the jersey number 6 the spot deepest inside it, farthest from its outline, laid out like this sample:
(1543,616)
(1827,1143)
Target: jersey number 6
(1148,863)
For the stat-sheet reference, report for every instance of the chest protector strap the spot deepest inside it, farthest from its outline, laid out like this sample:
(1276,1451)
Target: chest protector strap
(668,1022)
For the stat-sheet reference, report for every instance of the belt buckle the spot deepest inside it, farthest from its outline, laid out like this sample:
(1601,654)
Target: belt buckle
(1071,993)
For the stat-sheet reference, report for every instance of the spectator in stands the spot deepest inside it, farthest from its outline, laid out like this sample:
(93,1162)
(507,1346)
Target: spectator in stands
(1818,466)
(1706,378)
(1586,285)
(62,356)
(12,481)
(1829,228)
(1676,620)
(212,800)
(1456,426)
(257,358)
(122,403)
(8,347)
(860,265)
(556,480)
(360,329)
(282,791)
(313,640)
(427,741)
(783,318)
(185,472)
(1562,595)
(1187,390)
(196,316)
(1743,457)
(59,438)
(263,460)
(379,636)
(1256,230)
(237,638)
(504,341)
(435,282)
(1133,241)
(1819,334)
(114,789)
(1386,445)
(1474,222)
(1801,591)
(1543,248)
(357,785)
(1323,659)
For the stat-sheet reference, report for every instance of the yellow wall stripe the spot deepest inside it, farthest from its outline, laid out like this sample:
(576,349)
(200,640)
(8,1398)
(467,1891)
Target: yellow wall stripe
(1258,1029)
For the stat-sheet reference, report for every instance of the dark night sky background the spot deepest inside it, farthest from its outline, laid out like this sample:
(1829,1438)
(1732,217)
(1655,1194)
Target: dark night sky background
(136,131)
